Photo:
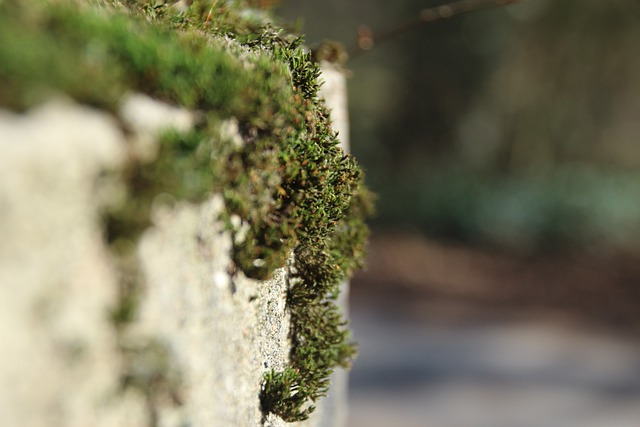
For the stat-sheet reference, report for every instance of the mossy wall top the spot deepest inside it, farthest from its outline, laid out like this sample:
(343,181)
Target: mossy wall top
(293,189)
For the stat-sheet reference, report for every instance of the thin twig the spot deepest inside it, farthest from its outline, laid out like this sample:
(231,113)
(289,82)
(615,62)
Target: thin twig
(209,15)
(367,39)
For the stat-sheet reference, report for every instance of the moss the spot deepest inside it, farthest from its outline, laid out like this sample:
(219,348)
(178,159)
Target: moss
(289,182)
(320,341)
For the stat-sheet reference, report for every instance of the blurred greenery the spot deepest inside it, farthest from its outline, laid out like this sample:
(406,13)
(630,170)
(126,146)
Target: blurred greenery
(516,127)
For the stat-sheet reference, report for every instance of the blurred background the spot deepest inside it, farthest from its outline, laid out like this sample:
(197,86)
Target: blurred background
(503,282)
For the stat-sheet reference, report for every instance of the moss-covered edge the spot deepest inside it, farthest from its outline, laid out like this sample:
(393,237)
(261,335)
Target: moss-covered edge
(293,188)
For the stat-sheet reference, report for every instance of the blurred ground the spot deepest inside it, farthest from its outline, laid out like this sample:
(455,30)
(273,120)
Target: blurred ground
(598,285)
(450,337)
(512,131)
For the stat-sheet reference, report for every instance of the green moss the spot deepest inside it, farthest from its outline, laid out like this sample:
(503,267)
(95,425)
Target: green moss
(320,341)
(290,184)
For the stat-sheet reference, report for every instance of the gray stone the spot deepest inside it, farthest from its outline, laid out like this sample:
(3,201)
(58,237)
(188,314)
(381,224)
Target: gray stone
(210,331)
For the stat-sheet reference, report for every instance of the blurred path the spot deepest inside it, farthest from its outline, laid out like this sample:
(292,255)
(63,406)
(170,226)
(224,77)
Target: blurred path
(596,284)
(487,374)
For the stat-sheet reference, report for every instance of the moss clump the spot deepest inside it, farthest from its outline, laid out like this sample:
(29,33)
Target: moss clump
(95,58)
(288,181)
(320,343)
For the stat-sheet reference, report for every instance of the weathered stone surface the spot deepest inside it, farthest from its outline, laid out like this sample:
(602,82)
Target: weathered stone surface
(224,331)
(59,364)
(210,332)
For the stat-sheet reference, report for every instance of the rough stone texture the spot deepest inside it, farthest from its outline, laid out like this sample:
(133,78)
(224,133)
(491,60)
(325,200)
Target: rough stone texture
(223,330)
(58,365)
(212,331)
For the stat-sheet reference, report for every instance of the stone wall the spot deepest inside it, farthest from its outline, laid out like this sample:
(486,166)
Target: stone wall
(204,334)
